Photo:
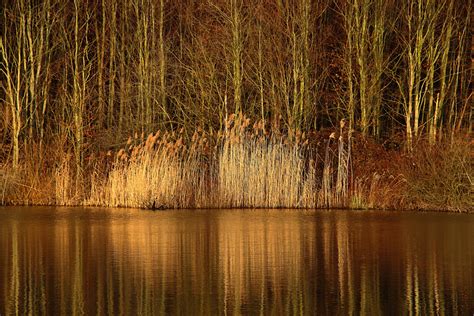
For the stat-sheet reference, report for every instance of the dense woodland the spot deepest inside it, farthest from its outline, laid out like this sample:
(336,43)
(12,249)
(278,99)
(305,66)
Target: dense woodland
(80,77)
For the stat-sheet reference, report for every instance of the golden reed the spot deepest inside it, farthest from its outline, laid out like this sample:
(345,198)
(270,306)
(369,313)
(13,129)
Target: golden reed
(244,166)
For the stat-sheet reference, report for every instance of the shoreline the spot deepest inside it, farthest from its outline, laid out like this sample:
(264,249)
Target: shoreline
(243,168)
(334,209)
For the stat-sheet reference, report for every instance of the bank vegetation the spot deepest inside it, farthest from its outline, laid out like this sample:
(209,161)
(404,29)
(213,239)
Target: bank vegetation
(307,103)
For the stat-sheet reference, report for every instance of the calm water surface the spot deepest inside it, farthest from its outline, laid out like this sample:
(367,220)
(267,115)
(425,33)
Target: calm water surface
(213,262)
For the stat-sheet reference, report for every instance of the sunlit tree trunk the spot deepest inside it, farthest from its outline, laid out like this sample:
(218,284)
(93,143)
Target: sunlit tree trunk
(112,63)
(417,20)
(237,47)
(461,77)
(349,67)
(77,97)
(50,23)
(143,12)
(123,58)
(439,50)
(100,32)
(162,61)
(24,69)
(365,28)
(361,16)
(13,93)
(377,40)
(432,75)
(81,71)
(260,74)
(299,19)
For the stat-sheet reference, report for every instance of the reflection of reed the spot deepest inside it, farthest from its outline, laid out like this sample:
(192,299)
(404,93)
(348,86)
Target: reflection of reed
(344,266)
(61,257)
(11,305)
(257,256)
(78,283)
(231,262)
(438,273)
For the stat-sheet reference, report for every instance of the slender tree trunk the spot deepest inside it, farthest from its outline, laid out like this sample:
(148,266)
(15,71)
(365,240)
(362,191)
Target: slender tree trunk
(162,59)
(237,46)
(112,64)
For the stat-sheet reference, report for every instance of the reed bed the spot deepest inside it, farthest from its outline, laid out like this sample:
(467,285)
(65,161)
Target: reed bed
(4,183)
(441,178)
(64,187)
(160,173)
(250,166)
(242,166)
(260,174)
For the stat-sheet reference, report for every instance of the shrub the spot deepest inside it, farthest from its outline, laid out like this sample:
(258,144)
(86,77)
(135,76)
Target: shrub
(441,177)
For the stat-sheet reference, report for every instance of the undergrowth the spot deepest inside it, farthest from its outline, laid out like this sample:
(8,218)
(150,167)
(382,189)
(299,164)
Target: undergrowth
(251,166)
(441,177)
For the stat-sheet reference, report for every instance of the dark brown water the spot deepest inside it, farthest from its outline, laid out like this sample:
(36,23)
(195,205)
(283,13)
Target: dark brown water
(116,261)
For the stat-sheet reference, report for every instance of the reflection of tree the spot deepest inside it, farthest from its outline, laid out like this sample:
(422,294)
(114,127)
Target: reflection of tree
(78,265)
(220,262)
(11,306)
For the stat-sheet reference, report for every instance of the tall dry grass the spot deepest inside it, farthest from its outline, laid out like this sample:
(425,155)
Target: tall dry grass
(441,177)
(258,170)
(28,184)
(258,166)
(162,172)
(245,166)
(5,177)
(260,173)
(64,184)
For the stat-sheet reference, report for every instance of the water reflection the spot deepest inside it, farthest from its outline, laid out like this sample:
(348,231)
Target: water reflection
(121,262)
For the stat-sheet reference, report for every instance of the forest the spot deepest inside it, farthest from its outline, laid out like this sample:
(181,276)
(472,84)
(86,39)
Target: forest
(233,103)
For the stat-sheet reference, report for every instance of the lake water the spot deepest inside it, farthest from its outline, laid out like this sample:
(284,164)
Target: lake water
(132,262)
